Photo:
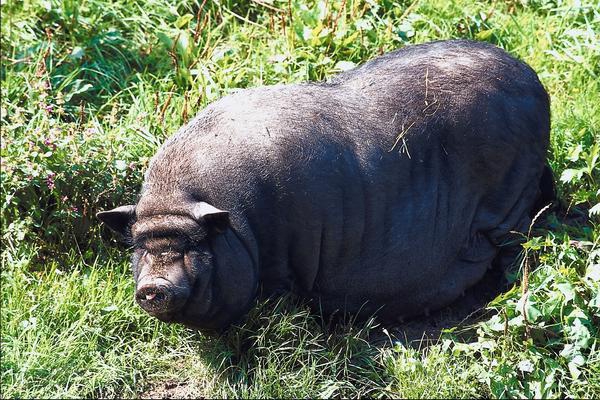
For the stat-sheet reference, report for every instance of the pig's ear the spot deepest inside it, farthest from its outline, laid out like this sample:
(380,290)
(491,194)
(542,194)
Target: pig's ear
(118,219)
(217,219)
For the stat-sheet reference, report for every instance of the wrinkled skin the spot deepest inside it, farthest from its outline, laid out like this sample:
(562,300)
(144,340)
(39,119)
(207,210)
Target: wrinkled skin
(388,188)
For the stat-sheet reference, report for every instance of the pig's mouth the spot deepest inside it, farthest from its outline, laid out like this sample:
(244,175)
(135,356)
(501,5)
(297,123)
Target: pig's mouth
(152,297)
(157,310)
(161,298)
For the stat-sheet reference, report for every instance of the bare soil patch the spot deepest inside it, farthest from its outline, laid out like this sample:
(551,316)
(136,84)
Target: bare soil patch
(171,389)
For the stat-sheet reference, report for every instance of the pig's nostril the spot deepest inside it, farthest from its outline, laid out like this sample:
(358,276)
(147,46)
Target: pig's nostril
(156,297)
(151,294)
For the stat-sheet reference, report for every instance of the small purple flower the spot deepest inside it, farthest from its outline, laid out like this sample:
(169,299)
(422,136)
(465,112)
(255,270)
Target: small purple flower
(48,143)
(90,131)
(132,166)
(50,180)
(73,209)
(48,108)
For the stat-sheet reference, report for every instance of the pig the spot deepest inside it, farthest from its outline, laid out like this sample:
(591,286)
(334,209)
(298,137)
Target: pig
(388,189)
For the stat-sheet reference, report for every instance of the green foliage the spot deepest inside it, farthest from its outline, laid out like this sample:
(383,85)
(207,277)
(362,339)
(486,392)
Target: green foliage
(91,89)
(550,333)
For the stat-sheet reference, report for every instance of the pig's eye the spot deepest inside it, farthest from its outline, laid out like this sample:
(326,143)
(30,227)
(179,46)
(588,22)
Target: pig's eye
(138,243)
(143,248)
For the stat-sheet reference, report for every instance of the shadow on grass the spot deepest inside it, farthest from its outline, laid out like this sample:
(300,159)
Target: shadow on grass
(283,349)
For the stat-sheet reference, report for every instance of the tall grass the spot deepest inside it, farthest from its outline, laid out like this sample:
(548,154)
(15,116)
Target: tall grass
(91,89)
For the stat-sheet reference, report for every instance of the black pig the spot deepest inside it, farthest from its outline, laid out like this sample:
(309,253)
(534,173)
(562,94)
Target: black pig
(388,188)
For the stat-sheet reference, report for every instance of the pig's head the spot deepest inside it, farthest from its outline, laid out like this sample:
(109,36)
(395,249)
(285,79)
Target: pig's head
(190,266)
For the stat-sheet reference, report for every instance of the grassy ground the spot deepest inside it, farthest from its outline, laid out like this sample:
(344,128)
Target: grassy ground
(89,91)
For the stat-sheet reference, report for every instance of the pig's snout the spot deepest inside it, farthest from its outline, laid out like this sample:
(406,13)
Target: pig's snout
(153,297)
(159,296)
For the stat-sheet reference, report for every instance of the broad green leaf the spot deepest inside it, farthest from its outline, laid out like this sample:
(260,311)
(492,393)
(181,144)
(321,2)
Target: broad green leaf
(350,39)
(363,24)
(593,272)
(592,158)
(533,311)
(77,53)
(343,65)
(525,366)
(552,304)
(576,362)
(184,44)
(579,334)
(183,20)
(574,153)
(567,290)
(569,175)
(484,35)
(495,324)
(166,40)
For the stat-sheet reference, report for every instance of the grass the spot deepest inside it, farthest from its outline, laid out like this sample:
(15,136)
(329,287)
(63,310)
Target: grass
(91,89)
